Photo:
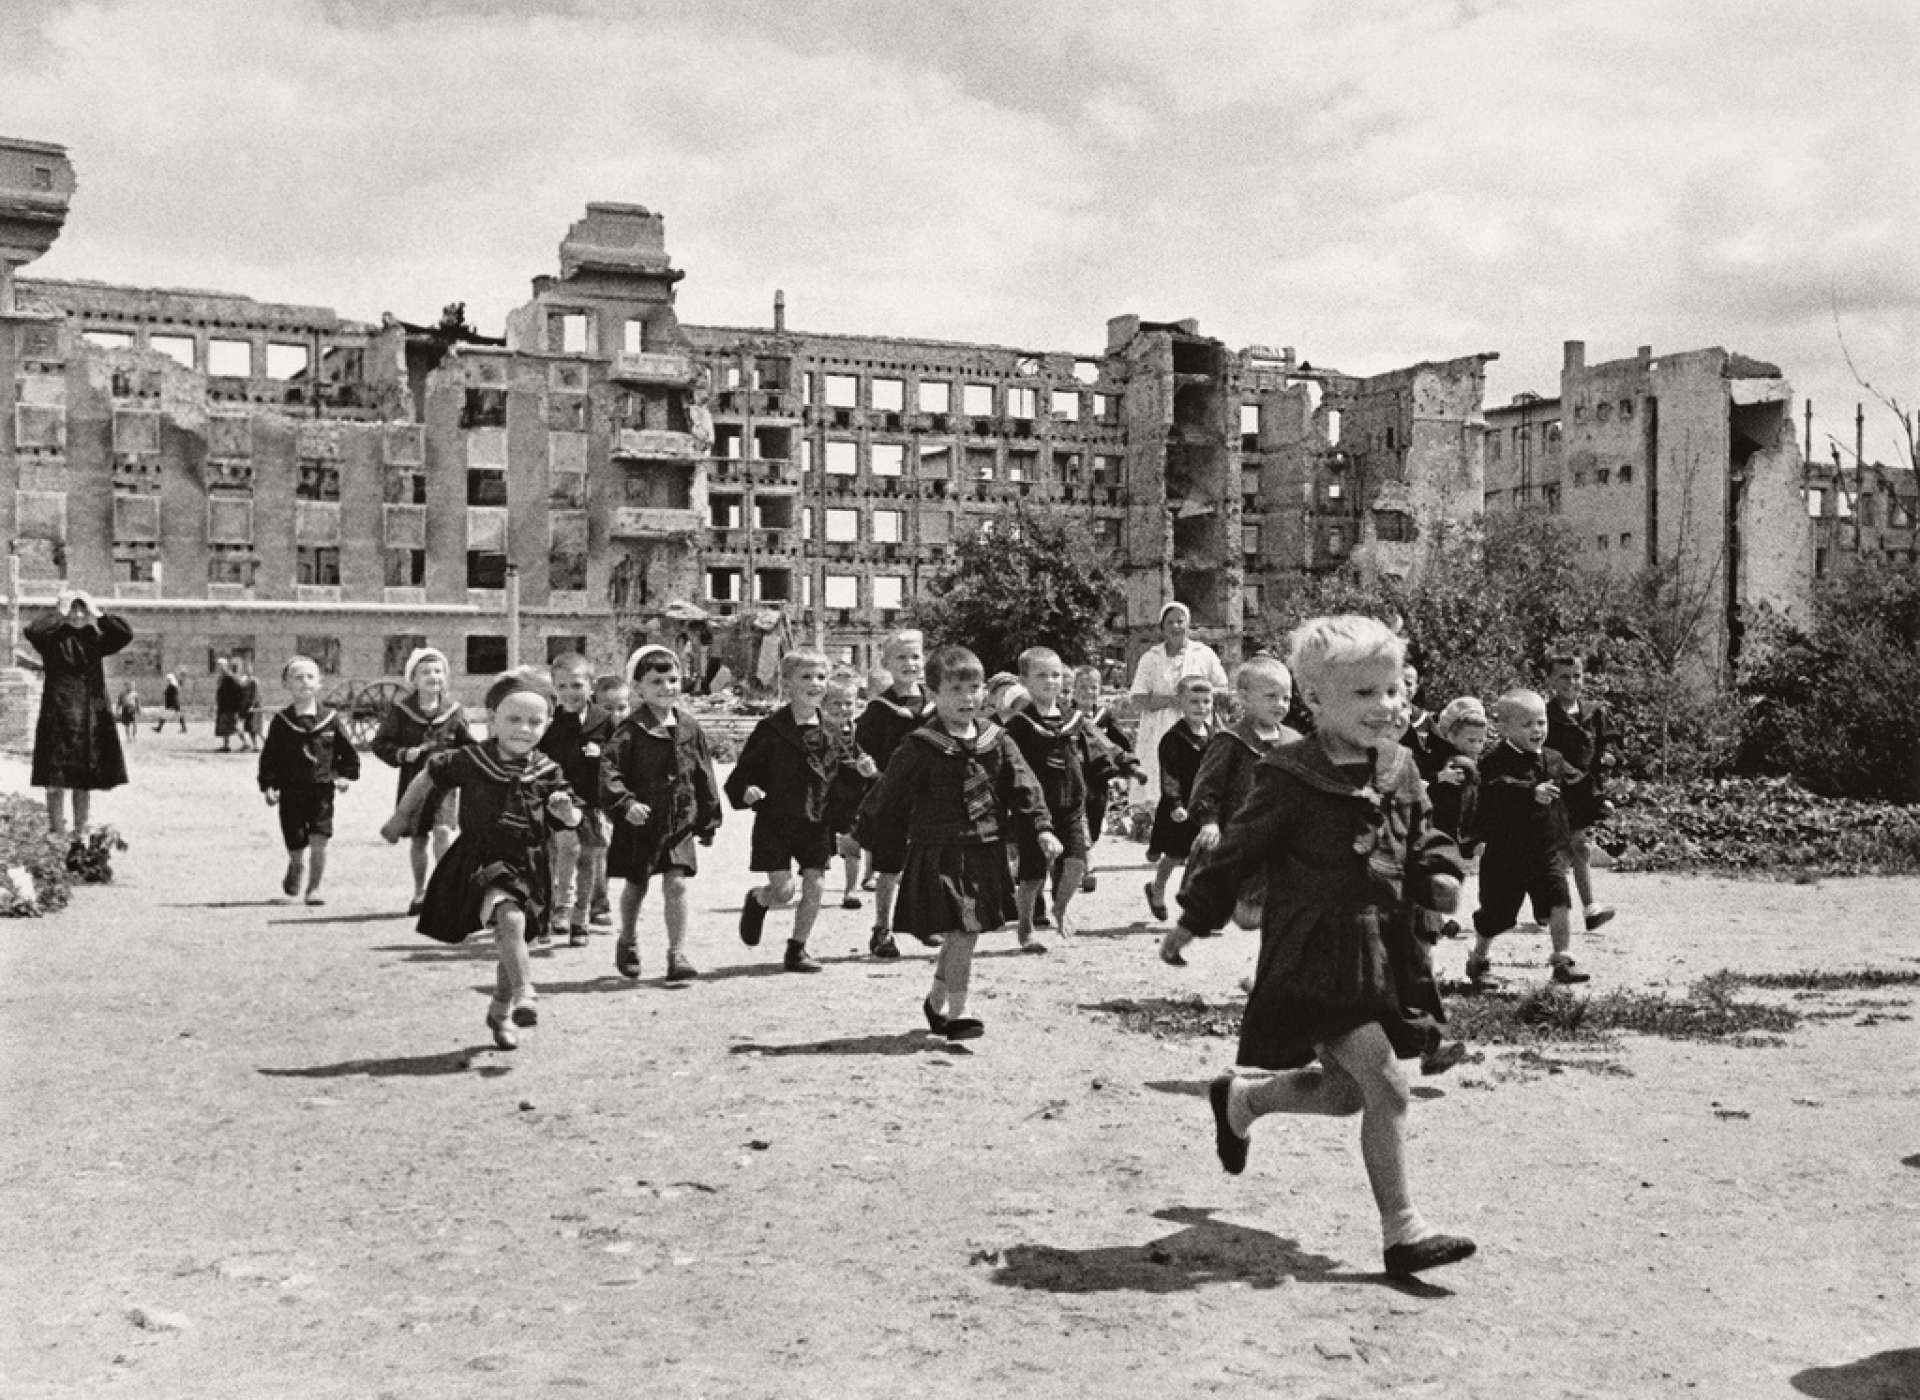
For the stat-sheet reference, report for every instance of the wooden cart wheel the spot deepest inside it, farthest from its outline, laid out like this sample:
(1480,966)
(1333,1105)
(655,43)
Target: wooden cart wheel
(366,708)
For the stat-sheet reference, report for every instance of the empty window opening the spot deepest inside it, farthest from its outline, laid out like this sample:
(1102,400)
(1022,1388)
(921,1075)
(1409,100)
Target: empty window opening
(773,512)
(886,527)
(843,458)
(1086,371)
(980,463)
(1333,427)
(485,487)
(484,408)
(727,439)
(771,375)
(723,512)
(109,340)
(566,567)
(772,444)
(1022,403)
(486,654)
(935,396)
(232,358)
(1022,466)
(406,568)
(889,395)
(567,332)
(633,336)
(843,526)
(178,348)
(936,460)
(977,401)
(318,481)
(843,591)
(889,592)
(1249,425)
(486,568)
(1625,474)
(232,563)
(1066,405)
(723,585)
(773,585)
(887,458)
(317,565)
(843,391)
(286,361)
(659,485)
(1103,408)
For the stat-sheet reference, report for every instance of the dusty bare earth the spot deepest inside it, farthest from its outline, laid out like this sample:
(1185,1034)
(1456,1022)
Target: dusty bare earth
(262,1150)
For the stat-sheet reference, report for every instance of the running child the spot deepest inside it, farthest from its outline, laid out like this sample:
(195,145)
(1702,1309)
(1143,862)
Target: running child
(785,770)
(1583,732)
(1450,763)
(1339,820)
(127,709)
(613,694)
(960,790)
(848,791)
(889,717)
(496,873)
(1522,825)
(1171,839)
(308,757)
(1106,761)
(656,779)
(579,731)
(420,724)
(1051,737)
(1225,777)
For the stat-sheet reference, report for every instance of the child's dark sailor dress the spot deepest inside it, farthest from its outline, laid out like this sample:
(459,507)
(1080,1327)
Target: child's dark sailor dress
(501,852)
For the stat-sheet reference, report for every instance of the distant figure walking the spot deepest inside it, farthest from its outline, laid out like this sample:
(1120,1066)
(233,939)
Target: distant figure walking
(75,746)
(229,701)
(127,710)
(170,705)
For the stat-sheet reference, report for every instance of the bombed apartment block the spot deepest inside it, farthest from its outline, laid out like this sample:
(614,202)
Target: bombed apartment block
(254,479)
(1687,462)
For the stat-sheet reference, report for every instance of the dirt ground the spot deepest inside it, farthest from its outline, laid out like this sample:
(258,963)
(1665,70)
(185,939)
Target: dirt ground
(258,1149)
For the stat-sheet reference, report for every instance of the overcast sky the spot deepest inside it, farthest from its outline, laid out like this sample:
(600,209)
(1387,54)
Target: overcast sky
(1375,182)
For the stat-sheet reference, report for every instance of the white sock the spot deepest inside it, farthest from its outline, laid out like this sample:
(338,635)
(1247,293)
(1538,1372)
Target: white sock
(1404,1227)
(1239,1114)
(937,998)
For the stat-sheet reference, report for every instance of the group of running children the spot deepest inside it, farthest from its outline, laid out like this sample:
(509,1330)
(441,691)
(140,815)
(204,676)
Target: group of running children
(977,803)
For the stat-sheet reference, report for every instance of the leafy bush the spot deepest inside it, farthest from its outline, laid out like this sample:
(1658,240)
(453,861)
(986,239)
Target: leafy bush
(1756,826)
(1835,702)
(27,846)
(1018,582)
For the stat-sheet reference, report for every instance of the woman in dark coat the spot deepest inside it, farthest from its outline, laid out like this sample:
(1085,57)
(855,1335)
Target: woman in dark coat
(75,745)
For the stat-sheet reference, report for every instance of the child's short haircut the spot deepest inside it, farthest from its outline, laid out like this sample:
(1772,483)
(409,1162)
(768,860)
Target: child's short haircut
(904,637)
(953,664)
(571,664)
(1011,699)
(298,660)
(1322,643)
(607,685)
(1035,656)
(792,663)
(1517,701)
(1261,668)
(1080,673)
(843,682)
(1458,714)
(530,680)
(1193,685)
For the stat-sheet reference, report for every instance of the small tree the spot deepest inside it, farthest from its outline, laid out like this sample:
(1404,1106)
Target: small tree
(1020,581)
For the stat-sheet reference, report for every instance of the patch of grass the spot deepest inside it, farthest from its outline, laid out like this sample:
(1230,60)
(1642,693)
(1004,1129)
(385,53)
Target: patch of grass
(1852,979)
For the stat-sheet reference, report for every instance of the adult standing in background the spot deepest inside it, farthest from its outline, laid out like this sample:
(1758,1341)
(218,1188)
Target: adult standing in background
(249,706)
(76,748)
(229,700)
(1158,676)
(170,705)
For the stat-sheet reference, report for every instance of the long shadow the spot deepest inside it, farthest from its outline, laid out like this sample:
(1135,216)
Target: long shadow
(281,903)
(428,950)
(380,918)
(1913,1161)
(1206,1251)
(907,1043)
(1194,1088)
(774,968)
(397,1067)
(1882,1376)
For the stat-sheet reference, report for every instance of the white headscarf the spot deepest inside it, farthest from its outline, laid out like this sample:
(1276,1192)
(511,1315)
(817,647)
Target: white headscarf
(420,654)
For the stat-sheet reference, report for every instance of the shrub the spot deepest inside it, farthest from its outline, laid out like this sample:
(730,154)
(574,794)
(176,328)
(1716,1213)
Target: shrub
(1018,582)
(1756,826)
(26,846)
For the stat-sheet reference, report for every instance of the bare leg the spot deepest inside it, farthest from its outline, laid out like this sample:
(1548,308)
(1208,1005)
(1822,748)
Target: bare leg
(1025,895)
(510,938)
(82,808)
(885,886)
(1367,1058)
(1071,870)
(1162,872)
(316,867)
(417,854)
(1582,869)
(632,893)
(954,971)
(673,908)
(57,811)
(808,908)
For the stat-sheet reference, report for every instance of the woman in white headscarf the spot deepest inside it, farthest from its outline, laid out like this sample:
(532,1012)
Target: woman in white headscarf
(1158,676)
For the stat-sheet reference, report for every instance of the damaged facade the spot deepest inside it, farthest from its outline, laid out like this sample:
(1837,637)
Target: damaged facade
(255,479)
(1686,461)
(258,479)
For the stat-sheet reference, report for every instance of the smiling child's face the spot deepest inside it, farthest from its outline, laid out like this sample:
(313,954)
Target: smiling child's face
(519,721)
(1360,705)
(807,685)
(1196,704)
(430,675)
(658,689)
(1044,681)
(1523,723)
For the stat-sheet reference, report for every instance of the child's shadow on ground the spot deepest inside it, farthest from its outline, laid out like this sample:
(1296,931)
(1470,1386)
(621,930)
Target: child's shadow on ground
(429,950)
(398,1067)
(1885,1373)
(917,1042)
(379,918)
(1197,1088)
(1205,1251)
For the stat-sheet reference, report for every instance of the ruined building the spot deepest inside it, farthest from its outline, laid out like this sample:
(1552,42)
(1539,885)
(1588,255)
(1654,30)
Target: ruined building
(1687,460)
(254,479)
